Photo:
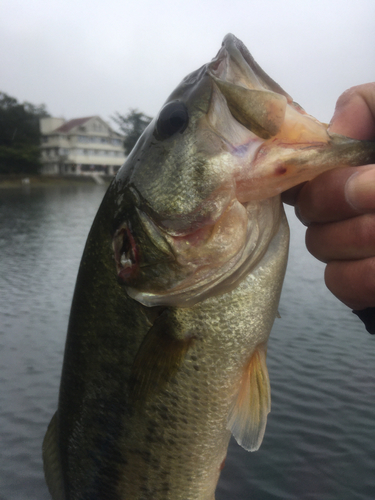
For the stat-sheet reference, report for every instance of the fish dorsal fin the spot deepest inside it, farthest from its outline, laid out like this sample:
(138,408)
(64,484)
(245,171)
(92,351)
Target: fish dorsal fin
(51,462)
(248,416)
(261,111)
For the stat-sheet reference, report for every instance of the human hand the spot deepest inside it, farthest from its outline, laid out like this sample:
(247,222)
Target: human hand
(339,208)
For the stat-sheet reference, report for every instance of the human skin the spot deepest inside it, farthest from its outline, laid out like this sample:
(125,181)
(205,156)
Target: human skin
(338,208)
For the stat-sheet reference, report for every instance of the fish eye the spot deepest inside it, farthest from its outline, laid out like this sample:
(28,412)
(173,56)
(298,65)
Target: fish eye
(173,118)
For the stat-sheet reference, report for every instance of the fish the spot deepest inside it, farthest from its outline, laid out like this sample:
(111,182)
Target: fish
(178,289)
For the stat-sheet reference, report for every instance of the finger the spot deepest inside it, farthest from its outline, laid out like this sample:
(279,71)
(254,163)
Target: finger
(354,115)
(337,194)
(360,189)
(352,282)
(350,239)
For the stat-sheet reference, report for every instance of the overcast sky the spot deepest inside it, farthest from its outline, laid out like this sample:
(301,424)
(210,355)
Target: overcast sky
(91,57)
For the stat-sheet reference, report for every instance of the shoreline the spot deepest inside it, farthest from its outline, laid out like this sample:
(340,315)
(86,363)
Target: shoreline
(19,180)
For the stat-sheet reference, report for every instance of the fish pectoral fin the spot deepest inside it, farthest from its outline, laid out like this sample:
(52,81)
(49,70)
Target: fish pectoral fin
(158,358)
(51,462)
(261,111)
(248,416)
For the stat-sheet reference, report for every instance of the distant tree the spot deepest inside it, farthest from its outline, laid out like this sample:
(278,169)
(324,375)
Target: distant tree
(19,135)
(132,125)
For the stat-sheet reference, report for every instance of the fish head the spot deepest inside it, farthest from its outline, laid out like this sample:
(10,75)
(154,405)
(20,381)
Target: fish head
(197,201)
(181,232)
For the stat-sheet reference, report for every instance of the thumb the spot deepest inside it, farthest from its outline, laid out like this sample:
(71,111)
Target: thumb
(354,115)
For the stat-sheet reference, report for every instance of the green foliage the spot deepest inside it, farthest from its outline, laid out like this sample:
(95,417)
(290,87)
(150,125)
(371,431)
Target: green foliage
(19,135)
(132,125)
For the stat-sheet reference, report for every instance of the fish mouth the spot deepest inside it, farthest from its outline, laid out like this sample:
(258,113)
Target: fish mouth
(234,64)
(126,253)
(274,143)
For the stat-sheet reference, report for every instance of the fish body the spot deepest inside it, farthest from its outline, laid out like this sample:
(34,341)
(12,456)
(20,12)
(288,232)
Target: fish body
(178,289)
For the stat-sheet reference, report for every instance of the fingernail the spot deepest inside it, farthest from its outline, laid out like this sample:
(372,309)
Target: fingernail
(360,189)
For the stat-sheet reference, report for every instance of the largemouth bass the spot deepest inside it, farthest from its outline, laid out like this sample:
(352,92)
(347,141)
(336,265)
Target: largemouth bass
(179,286)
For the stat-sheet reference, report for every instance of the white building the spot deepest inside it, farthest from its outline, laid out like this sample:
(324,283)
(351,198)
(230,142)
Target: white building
(83,146)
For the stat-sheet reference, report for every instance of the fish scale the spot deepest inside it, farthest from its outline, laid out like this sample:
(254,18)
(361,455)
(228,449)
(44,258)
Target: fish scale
(179,286)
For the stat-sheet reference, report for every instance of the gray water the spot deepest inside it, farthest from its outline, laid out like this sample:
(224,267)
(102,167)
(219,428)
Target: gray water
(320,437)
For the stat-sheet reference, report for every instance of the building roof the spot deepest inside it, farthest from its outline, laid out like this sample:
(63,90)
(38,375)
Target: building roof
(67,126)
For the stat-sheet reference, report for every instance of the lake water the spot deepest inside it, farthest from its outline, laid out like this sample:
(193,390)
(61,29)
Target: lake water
(320,437)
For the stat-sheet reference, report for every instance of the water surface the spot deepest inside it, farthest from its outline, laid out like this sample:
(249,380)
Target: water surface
(320,438)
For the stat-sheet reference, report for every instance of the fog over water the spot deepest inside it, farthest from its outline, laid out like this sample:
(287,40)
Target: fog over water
(84,58)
